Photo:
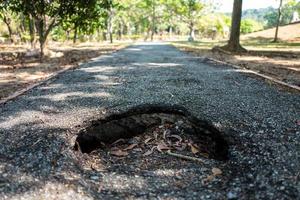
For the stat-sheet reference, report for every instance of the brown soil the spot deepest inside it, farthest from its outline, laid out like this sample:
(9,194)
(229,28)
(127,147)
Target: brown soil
(285,67)
(289,33)
(21,67)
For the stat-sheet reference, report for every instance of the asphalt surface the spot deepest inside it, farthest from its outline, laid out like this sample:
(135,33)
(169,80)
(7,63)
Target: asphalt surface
(259,120)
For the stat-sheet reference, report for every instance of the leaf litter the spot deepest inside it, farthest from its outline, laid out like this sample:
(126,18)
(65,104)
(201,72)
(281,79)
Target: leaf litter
(165,140)
(160,147)
(167,137)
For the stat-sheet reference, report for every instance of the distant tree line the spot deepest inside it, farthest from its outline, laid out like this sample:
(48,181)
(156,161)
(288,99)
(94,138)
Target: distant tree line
(268,16)
(287,8)
(37,21)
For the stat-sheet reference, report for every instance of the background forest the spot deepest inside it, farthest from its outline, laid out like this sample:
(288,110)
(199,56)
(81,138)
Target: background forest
(23,21)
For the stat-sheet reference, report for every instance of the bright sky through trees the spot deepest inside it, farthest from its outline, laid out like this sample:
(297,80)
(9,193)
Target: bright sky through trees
(226,6)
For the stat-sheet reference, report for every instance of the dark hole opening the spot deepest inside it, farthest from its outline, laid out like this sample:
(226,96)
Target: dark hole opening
(138,120)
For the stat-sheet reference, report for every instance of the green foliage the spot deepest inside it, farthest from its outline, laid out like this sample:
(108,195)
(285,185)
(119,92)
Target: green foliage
(214,25)
(287,10)
(87,16)
(258,14)
(58,34)
(187,10)
(64,19)
(250,25)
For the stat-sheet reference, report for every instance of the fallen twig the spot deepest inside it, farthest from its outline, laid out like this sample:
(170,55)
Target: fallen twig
(184,157)
(36,142)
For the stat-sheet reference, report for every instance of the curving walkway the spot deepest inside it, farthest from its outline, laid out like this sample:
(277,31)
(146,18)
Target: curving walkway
(261,122)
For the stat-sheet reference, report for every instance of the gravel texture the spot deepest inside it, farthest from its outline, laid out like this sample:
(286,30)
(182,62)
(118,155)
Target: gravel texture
(260,122)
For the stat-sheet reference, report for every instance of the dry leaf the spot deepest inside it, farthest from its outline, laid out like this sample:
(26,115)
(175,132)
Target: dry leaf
(180,147)
(118,141)
(130,147)
(149,152)
(155,135)
(137,138)
(168,125)
(162,146)
(208,179)
(119,153)
(148,140)
(194,149)
(138,149)
(114,149)
(176,136)
(165,133)
(216,171)
(205,155)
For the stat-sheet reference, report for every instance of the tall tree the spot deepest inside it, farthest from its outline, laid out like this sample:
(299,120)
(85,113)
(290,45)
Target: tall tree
(47,15)
(278,21)
(153,18)
(87,17)
(150,17)
(32,31)
(234,40)
(188,11)
(6,17)
(110,17)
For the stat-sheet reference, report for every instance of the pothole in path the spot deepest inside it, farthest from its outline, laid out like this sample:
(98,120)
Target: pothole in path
(148,129)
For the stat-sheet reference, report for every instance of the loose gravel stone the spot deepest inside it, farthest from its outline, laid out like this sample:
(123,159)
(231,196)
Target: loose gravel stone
(259,120)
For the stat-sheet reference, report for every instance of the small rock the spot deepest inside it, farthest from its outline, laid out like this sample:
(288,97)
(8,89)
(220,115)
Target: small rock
(261,132)
(94,177)
(231,195)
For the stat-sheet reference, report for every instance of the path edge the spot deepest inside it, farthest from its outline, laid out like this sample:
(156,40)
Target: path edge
(52,76)
(266,77)
(256,73)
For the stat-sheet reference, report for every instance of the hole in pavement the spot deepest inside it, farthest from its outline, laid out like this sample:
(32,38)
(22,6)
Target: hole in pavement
(141,119)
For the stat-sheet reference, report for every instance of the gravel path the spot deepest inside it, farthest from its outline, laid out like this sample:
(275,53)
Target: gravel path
(261,123)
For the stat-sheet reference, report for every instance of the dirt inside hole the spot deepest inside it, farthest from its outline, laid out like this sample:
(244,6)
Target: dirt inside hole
(147,129)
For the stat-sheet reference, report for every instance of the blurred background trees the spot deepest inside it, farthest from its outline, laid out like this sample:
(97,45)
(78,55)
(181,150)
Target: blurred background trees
(40,21)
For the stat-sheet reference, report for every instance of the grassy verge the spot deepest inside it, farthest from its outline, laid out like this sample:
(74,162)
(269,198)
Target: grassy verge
(255,44)
(21,68)
(278,60)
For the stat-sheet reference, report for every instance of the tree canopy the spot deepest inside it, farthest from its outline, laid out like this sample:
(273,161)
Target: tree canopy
(127,19)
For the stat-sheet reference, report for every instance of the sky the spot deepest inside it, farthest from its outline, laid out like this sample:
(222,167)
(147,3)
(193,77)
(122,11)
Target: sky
(226,5)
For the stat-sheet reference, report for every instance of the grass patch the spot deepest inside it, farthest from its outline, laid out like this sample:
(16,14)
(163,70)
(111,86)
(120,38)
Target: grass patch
(254,44)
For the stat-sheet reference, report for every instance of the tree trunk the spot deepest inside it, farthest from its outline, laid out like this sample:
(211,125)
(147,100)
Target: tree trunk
(43,33)
(7,21)
(192,32)
(121,29)
(110,29)
(170,32)
(153,20)
(278,22)
(23,28)
(23,23)
(42,47)
(68,34)
(111,37)
(152,34)
(104,35)
(109,24)
(128,29)
(75,34)
(234,40)
(32,31)
(41,36)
